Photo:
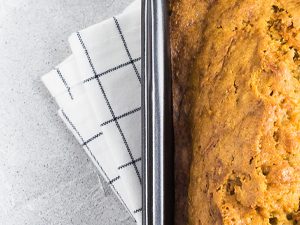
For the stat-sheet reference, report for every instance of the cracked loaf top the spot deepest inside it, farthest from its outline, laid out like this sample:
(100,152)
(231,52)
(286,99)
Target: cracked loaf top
(236,71)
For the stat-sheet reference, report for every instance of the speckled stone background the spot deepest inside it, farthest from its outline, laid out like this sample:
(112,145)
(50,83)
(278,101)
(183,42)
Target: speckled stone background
(45,177)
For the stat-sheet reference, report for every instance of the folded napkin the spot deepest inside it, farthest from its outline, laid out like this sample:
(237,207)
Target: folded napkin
(98,91)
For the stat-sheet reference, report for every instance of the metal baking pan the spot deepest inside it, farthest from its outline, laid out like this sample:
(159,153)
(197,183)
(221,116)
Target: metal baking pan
(157,128)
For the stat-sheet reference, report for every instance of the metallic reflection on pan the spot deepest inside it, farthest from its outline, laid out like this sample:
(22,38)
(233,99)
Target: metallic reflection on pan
(157,128)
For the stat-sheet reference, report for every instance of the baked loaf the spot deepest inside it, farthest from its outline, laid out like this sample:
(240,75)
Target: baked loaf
(186,24)
(237,97)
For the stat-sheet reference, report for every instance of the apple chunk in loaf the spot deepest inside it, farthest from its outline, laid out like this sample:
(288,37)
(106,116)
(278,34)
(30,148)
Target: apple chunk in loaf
(246,115)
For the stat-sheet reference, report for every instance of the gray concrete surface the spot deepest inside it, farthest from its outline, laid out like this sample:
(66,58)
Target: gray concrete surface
(45,177)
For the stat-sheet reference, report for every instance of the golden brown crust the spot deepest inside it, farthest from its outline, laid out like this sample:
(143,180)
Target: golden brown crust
(185,43)
(238,110)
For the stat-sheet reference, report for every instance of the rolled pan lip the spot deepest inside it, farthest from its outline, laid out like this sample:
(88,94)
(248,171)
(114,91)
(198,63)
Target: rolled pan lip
(157,125)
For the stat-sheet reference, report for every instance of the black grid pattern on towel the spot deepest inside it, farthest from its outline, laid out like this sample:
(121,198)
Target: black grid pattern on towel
(137,210)
(110,181)
(108,104)
(92,138)
(117,117)
(129,163)
(121,116)
(127,49)
(114,179)
(109,71)
(64,82)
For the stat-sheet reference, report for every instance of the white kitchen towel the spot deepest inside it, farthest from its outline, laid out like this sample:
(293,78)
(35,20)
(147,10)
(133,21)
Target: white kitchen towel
(108,56)
(98,90)
(64,82)
(75,110)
